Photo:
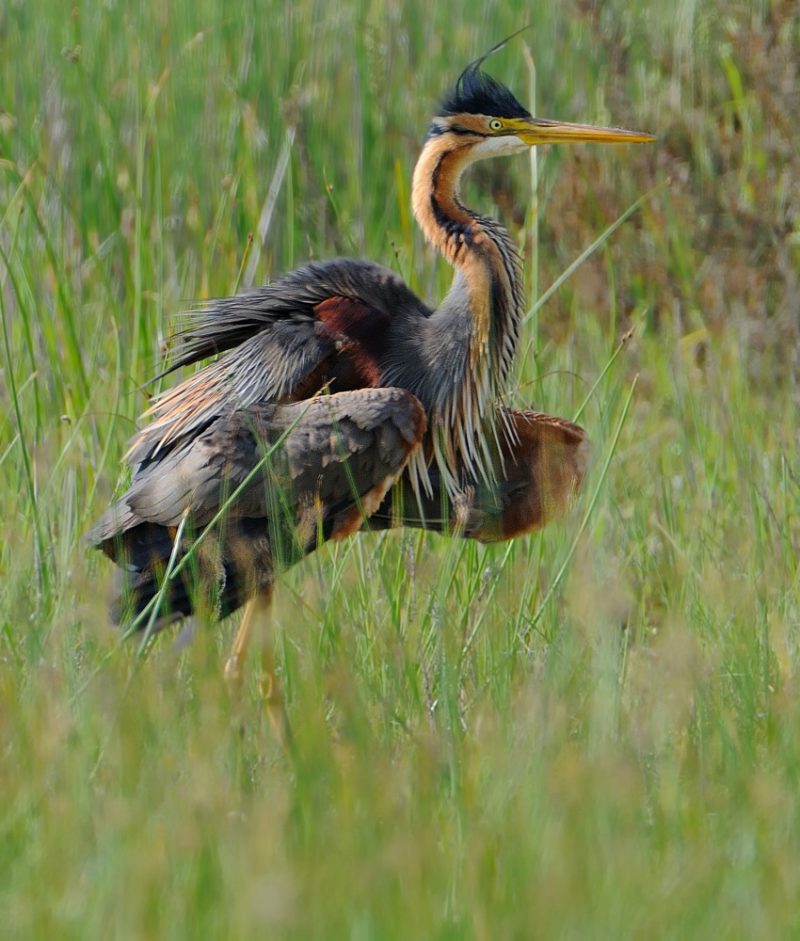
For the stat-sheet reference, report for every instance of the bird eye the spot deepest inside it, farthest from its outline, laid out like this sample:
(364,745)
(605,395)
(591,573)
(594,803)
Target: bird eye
(496,125)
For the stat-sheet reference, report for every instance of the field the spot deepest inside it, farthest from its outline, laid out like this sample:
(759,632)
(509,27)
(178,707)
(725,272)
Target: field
(588,733)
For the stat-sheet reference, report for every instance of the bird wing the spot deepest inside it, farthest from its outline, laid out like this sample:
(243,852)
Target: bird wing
(542,469)
(323,324)
(310,468)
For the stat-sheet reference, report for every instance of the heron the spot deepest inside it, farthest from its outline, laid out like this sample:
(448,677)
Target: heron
(338,399)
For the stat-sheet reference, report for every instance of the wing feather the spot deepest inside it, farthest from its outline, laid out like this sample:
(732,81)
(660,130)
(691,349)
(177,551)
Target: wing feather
(321,324)
(339,454)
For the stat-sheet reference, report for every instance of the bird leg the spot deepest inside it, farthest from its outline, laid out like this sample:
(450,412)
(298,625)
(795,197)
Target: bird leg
(241,643)
(256,622)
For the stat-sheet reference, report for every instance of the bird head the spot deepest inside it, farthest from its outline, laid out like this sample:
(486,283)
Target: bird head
(484,115)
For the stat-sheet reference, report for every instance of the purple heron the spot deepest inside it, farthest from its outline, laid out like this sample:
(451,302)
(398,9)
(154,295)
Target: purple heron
(337,390)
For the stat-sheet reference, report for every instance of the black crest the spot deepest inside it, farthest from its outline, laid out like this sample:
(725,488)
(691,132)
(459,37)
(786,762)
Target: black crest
(476,92)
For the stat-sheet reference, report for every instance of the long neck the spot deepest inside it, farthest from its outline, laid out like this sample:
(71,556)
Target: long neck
(487,284)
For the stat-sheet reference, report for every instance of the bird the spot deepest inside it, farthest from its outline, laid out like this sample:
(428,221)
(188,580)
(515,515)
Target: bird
(339,400)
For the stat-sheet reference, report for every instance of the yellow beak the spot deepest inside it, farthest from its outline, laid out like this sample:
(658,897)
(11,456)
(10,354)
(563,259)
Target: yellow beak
(541,131)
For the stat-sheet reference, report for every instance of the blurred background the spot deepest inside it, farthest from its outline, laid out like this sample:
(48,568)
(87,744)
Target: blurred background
(494,742)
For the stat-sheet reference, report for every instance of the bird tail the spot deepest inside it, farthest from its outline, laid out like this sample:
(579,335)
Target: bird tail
(158,597)
(166,574)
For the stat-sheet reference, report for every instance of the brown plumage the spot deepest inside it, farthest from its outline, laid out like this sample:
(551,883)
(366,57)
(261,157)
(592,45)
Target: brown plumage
(335,382)
(326,467)
(541,473)
(292,475)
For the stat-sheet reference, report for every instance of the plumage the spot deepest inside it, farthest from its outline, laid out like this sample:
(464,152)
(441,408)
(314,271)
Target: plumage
(336,457)
(339,398)
(290,474)
(542,471)
(476,92)
(277,344)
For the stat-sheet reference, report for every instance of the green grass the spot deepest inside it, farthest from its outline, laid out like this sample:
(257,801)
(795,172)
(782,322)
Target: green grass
(588,733)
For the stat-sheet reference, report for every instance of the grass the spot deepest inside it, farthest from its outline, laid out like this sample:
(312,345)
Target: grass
(589,733)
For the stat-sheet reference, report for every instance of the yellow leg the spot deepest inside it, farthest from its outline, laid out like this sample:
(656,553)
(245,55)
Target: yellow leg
(241,643)
(256,619)
(270,688)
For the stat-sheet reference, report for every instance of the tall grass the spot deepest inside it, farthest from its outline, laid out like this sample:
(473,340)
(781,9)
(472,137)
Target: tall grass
(588,733)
